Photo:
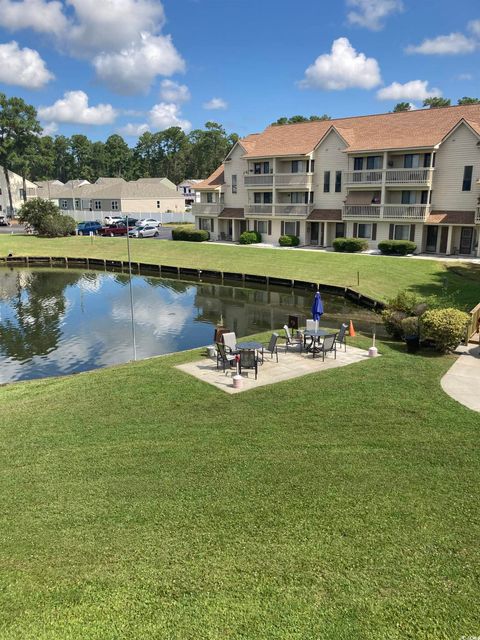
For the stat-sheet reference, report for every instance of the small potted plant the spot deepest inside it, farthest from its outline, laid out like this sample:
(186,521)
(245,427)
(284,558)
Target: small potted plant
(411,333)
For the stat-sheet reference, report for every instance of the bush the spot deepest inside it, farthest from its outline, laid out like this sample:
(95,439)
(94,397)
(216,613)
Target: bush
(404,305)
(289,241)
(190,235)
(396,247)
(444,327)
(58,226)
(45,218)
(250,237)
(350,245)
(410,326)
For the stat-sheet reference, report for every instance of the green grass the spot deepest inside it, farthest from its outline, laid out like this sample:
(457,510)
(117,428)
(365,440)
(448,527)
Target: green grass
(380,277)
(138,502)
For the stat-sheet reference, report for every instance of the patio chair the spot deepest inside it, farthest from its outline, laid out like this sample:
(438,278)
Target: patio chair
(342,335)
(271,347)
(248,360)
(223,357)
(230,341)
(290,342)
(329,344)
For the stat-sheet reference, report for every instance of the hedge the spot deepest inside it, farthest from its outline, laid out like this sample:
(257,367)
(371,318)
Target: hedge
(396,247)
(350,245)
(250,237)
(446,328)
(289,241)
(190,235)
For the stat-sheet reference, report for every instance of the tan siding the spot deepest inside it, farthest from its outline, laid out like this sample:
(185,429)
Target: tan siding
(236,166)
(330,156)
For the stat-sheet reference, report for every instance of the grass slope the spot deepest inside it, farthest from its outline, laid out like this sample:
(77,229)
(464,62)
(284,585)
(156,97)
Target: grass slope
(380,277)
(341,505)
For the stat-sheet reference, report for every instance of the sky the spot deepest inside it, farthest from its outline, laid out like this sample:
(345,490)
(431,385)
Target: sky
(99,67)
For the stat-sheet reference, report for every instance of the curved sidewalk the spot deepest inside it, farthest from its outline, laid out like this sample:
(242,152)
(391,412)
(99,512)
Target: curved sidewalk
(462,380)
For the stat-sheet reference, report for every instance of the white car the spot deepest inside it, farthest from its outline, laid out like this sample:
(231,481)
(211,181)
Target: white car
(147,231)
(148,221)
(113,219)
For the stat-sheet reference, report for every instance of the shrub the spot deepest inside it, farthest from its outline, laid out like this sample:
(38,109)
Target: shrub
(410,326)
(289,241)
(250,237)
(58,226)
(190,235)
(444,327)
(45,218)
(350,245)
(404,305)
(396,247)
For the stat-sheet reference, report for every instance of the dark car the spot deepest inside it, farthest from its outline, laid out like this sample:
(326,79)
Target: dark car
(117,229)
(132,222)
(86,228)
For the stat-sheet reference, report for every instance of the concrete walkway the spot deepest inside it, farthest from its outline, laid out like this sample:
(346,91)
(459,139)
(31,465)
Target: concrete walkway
(462,380)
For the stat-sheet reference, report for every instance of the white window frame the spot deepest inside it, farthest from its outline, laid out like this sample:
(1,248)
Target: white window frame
(403,227)
(64,204)
(262,226)
(114,205)
(365,236)
(205,224)
(97,205)
(286,225)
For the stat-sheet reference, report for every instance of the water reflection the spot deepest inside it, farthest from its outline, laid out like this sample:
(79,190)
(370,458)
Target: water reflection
(55,322)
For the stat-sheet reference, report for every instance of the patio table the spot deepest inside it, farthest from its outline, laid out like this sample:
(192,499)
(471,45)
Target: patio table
(316,337)
(249,345)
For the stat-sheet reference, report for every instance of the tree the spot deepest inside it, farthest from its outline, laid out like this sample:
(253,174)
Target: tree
(82,156)
(18,126)
(402,106)
(42,166)
(467,100)
(209,148)
(436,103)
(315,118)
(63,161)
(296,119)
(45,218)
(118,156)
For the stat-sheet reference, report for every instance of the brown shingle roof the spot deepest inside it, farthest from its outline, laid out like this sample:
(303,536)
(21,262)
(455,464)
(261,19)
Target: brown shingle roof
(237,214)
(451,217)
(422,128)
(325,214)
(213,181)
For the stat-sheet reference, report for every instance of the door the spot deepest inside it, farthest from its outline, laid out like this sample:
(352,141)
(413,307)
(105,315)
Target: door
(340,230)
(243,226)
(432,235)
(314,237)
(466,238)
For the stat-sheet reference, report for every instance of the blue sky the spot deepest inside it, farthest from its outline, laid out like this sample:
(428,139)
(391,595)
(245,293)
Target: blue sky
(104,66)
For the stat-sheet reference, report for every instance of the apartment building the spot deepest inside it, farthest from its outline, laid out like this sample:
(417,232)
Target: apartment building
(16,188)
(413,175)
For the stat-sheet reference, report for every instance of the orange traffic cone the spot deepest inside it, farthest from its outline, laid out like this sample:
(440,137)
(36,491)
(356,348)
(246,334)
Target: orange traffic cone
(351,330)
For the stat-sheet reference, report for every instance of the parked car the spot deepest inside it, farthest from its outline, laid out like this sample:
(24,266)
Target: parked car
(112,219)
(85,228)
(132,222)
(148,221)
(148,231)
(117,229)
(4,221)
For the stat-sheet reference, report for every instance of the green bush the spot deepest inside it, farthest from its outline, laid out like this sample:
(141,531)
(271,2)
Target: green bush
(404,305)
(188,234)
(58,226)
(410,326)
(45,218)
(396,247)
(250,237)
(444,327)
(350,245)
(289,241)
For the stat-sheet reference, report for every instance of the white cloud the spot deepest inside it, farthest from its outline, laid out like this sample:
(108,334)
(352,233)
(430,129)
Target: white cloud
(465,76)
(171,91)
(343,68)
(215,103)
(50,129)
(73,107)
(474,27)
(134,69)
(23,67)
(453,44)
(413,90)
(372,13)
(133,129)
(165,115)
(41,16)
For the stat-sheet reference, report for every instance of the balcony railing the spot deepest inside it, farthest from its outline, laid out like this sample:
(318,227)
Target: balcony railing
(361,178)
(416,212)
(259,209)
(259,180)
(408,176)
(293,179)
(207,208)
(292,209)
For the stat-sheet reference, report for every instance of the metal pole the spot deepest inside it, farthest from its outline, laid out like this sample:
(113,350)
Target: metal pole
(132,313)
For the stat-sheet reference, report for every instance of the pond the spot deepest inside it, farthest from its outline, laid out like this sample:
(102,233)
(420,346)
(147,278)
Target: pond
(57,322)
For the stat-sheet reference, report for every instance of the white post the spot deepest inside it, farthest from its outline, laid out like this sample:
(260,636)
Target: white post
(449,240)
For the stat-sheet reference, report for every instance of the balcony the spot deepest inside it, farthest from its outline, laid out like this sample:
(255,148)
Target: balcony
(363,178)
(293,209)
(259,209)
(408,176)
(409,212)
(207,208)
(293,180)
(259,180)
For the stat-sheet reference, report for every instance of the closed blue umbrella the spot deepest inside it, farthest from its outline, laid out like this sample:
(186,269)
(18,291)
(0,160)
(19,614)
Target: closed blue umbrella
(317,307)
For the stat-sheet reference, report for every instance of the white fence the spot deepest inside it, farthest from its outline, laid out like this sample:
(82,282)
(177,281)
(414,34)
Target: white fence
(80,215)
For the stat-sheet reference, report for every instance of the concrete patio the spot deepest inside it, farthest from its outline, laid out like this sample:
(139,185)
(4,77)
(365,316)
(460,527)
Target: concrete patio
(291,364)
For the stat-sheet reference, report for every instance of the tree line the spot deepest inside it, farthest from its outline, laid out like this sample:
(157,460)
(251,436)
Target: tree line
(435,103)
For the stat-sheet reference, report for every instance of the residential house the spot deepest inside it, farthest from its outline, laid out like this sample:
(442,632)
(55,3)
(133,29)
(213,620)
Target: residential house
(16,188)
(412,175)
(187,188)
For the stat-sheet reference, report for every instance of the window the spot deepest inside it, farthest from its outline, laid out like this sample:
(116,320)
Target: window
(97,205)
(467,178)
(257,167)
(262,226)
(158,204)
(338,181)
(206,224)
(411,161)
(374,162)
(409,197)
(234,183)
(312,196)
(364,231)
(299,197)
(267,197)
(114,205)
(209,197)
(77,204)
(427,158)
(312,166)
(424,197)
(266,167)
(257,197)
(326,181)
(357,164)
(290,228)
(294,166)
(64,204)
(402,232)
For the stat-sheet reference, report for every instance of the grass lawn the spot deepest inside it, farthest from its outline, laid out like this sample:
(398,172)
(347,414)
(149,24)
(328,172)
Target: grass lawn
(380,277)
(138,502)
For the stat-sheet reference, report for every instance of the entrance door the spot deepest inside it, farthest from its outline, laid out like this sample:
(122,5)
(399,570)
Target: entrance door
(432,235)
(340,230)
(243,226)
(466,238)
(314,233)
